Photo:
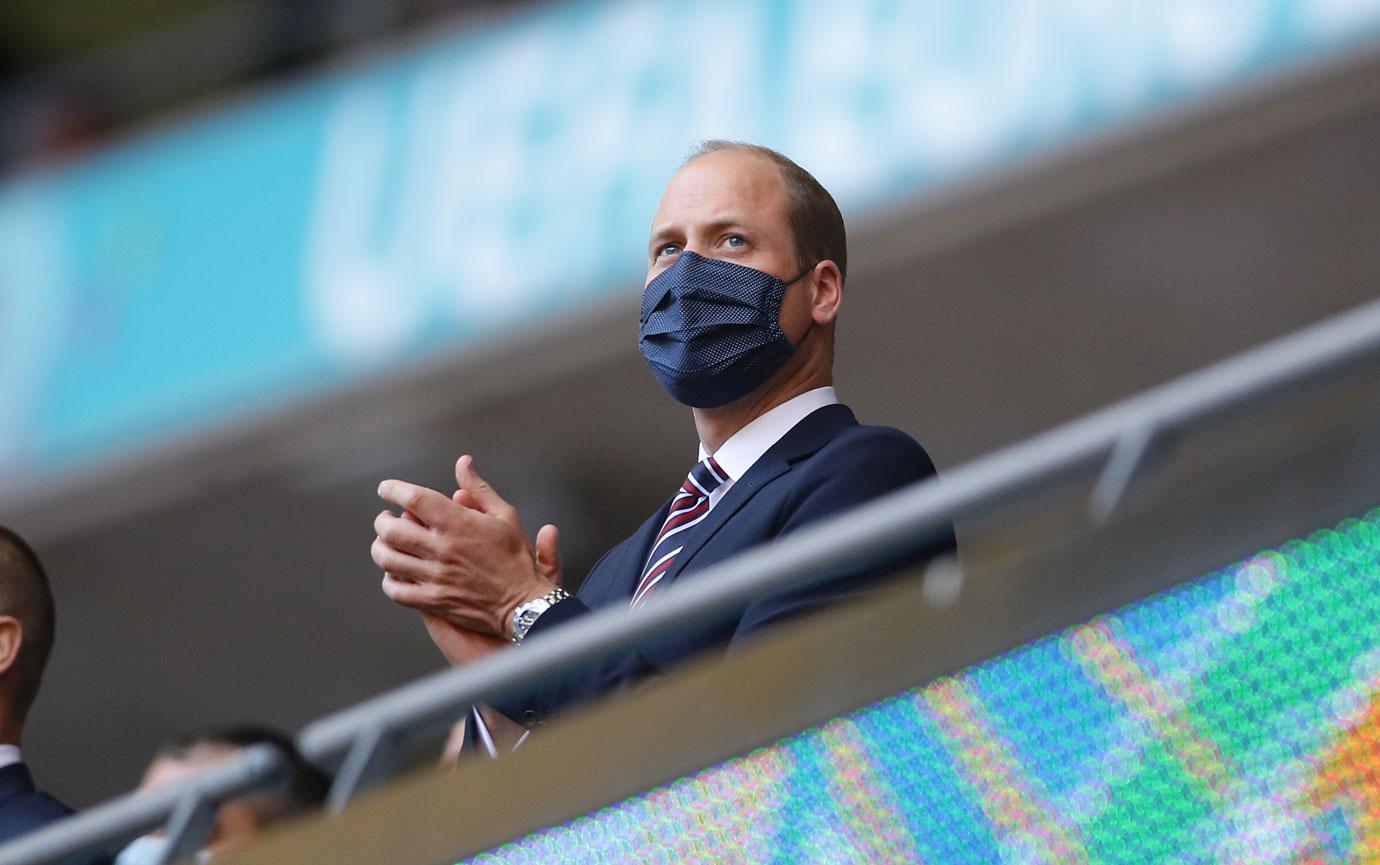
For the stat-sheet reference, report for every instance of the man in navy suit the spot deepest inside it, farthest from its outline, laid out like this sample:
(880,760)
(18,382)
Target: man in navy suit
(745,279)
(26,640)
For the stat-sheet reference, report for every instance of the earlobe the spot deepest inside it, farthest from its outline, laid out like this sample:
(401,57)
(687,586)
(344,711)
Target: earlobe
(11,638)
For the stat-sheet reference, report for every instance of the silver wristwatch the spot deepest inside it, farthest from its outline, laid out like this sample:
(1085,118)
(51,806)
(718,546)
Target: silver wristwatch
(525,615)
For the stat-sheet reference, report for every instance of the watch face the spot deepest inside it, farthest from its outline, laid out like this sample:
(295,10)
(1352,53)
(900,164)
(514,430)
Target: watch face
(526,614)
(524,617)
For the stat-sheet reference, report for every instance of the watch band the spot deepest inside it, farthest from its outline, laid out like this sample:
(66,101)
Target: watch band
(526,615)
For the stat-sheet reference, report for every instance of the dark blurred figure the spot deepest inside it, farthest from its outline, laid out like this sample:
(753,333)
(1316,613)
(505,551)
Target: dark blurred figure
(26,640)
(69,125)
(9,135)
(239,821)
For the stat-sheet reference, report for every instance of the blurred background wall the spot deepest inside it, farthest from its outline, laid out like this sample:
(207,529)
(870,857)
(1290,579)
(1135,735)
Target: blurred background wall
(257,256)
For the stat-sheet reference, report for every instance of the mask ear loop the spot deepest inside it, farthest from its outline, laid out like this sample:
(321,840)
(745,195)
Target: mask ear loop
(795,346)
(806,272)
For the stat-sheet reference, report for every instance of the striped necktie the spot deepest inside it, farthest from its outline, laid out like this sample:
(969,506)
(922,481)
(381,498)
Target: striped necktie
(688,508)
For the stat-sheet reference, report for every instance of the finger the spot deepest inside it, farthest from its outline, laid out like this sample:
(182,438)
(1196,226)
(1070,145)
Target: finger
(465,499)
(427,505)
(401,565)
(404,535)
(485,497)
(549,553)
(418,596)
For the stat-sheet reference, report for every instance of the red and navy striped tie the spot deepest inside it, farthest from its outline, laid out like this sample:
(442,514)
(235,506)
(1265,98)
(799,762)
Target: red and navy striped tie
(688,508)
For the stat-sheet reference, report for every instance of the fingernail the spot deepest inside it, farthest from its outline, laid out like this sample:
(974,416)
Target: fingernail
(383,489)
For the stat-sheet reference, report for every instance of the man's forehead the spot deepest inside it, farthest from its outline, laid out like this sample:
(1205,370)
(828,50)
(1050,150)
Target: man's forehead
(721,186)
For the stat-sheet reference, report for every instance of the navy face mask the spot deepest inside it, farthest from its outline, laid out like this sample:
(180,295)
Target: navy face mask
(710,329)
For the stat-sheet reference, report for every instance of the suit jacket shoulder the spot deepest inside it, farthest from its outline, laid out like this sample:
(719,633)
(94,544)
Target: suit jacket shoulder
(22,808)
(857,465)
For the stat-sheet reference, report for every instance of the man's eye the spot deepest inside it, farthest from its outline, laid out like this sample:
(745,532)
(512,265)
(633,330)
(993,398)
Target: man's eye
(667,249)
(735,240)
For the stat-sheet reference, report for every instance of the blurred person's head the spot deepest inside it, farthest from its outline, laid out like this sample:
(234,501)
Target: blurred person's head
(239,821)
(27,621)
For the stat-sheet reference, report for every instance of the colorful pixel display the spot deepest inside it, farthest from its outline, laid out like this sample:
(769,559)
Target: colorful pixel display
(1234,719)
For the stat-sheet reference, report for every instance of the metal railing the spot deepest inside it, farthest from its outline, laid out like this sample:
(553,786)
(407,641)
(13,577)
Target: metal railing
(187,808)
(1110,446)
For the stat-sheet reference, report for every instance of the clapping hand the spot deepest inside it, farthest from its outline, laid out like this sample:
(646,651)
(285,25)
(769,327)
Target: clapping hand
(463,561)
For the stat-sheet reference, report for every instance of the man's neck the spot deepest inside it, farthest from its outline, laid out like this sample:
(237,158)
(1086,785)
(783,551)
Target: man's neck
(11,725)
(717,425)
(11,731)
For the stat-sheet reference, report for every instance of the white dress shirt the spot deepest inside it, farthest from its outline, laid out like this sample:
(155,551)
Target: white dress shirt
(9,755)
(748,444)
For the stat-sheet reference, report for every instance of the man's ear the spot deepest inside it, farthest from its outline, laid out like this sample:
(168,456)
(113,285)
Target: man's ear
(11,638)
(828,294)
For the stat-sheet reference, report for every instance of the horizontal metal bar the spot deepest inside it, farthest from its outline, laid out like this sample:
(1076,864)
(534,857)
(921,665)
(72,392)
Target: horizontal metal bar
(1305,359)
(118,821)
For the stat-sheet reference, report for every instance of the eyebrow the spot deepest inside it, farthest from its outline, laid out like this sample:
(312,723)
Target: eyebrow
(666,232)
(659,236)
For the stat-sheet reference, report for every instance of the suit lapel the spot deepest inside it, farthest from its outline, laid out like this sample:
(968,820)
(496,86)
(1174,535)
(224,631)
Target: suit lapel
(627,570)
(806,437)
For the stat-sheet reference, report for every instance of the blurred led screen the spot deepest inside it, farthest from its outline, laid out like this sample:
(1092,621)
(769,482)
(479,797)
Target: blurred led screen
(1234,719)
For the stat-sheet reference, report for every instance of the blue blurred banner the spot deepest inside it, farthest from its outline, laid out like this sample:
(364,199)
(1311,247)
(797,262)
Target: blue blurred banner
(302,240)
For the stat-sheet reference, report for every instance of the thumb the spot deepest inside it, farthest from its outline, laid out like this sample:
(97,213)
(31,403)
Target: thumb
(482,496)
(549,553)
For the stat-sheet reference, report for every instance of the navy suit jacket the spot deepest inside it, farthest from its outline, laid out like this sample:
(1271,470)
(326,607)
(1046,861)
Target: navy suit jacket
(24,809)
(824,465)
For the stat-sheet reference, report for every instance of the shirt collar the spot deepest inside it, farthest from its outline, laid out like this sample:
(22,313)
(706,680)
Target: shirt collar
(9,755)
(747,445)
